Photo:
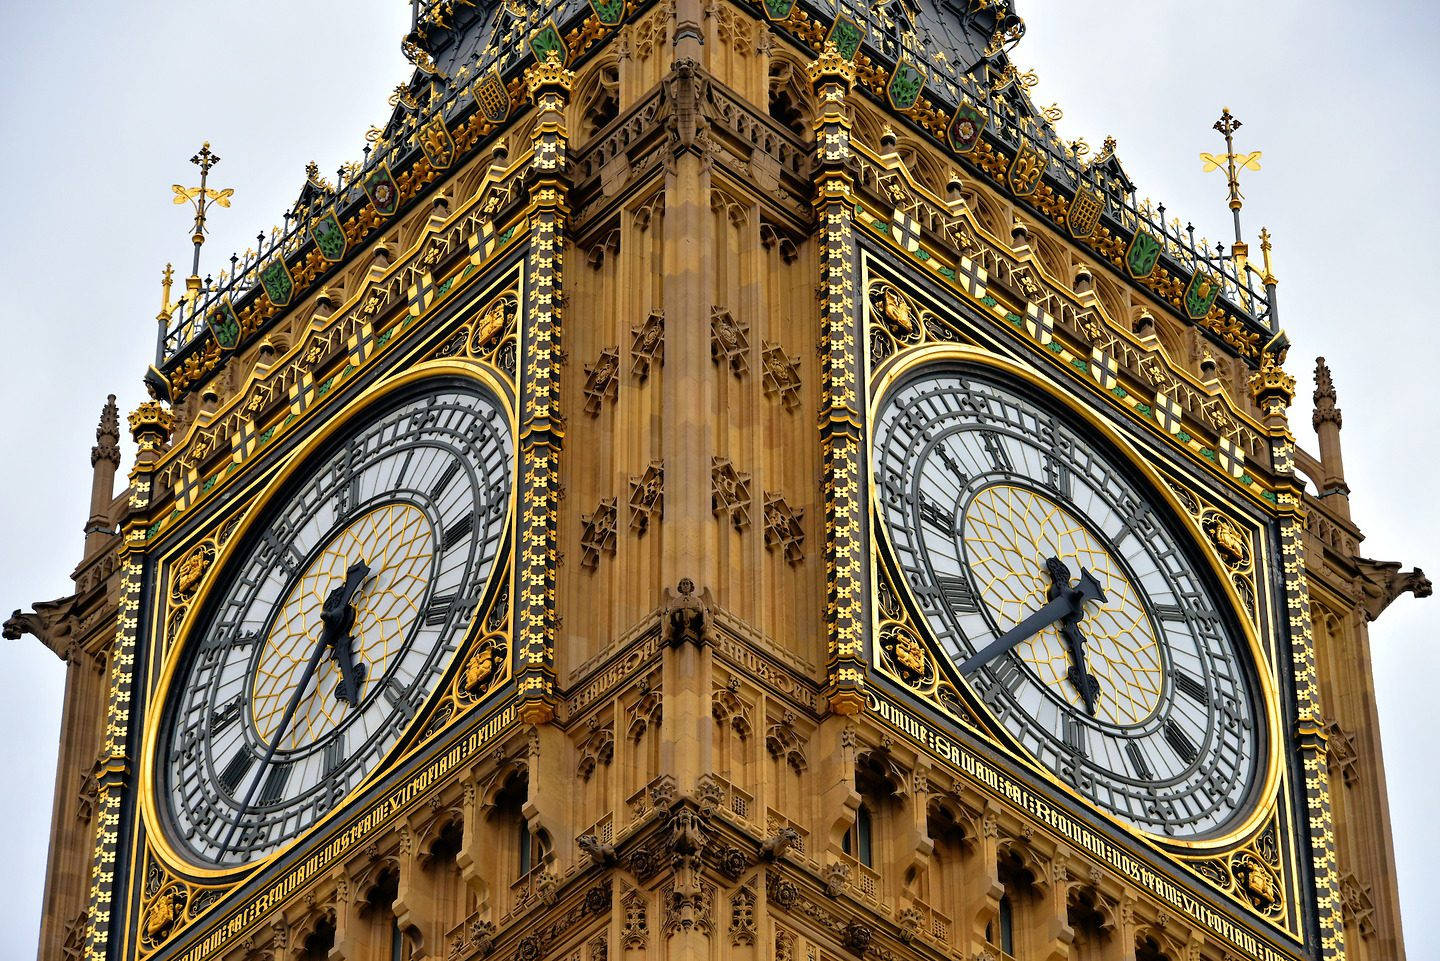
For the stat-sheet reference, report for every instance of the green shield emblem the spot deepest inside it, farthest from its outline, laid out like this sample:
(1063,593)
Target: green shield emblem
(966,127)
(545,40)
(380,187)
(1143,254)
(778,9)
(846,35)
(609,12)
(1200,294)
(224,325)
(904,86)
(278,284)
(329,237)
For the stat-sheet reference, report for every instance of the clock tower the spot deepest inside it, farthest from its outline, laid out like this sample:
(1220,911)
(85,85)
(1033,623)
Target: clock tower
(718,479)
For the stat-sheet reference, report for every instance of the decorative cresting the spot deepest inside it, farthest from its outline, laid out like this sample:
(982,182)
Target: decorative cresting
(842,455)
(542,426)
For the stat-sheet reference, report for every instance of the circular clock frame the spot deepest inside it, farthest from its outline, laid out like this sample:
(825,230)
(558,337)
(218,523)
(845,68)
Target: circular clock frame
(913,364)
(268,492)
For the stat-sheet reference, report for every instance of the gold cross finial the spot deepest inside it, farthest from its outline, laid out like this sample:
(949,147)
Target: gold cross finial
(201,199)
(1233,163)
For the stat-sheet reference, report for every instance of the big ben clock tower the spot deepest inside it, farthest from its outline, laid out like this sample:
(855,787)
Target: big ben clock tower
(717,480)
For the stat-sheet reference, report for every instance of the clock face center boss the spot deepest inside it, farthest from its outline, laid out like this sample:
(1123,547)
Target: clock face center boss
(334,620)
(1063,589)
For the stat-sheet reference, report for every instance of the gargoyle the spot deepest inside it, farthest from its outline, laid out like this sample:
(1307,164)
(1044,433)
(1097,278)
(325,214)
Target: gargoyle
(1384,581)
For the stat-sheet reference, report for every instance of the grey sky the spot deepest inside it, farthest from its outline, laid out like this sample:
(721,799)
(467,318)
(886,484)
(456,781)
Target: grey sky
(103,104)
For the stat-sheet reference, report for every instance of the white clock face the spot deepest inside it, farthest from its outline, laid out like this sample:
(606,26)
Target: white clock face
(334,623)
(1062,590)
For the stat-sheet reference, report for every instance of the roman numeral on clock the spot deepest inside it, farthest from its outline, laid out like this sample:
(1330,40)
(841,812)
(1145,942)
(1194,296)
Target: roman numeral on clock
(943,452)
(1186,684)
(445,479)
(956,591)
(1007,674)
(235,770)
(458,532)
(1057,475)
(1074,734)
(439,610)
(335,753)
(936,516)
(275,781)
(225,715)
(1179,741)
(1138,764)
(999,453)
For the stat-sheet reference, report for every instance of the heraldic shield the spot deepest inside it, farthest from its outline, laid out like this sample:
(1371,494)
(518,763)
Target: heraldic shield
(491,96)
(1142,255)
(279,285)
(845,34)
(382,190)
(966,127)
(224,325)
(904,86)
(1200,294)
(329,237)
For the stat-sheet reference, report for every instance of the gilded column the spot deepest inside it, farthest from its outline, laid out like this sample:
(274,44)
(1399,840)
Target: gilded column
(1274,390)
(842,453)
(150,425)
(542,427)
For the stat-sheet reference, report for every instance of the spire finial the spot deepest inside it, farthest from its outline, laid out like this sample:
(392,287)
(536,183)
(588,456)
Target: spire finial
(201,198)
(1233,164)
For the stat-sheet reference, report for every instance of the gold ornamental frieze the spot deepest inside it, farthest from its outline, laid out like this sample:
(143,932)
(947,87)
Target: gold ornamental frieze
(336,349)
(1080,343)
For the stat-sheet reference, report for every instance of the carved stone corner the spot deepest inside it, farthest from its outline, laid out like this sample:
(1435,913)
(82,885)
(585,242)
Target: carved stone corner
(729,341)
(647,496)
(647,345)
(729,492)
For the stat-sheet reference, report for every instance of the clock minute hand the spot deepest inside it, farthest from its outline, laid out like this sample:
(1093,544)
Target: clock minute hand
(1068,602)
(335,615)
(321,646)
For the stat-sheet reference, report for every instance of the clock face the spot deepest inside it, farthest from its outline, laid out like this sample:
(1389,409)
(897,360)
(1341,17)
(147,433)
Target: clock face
(334,622)
(1061,589)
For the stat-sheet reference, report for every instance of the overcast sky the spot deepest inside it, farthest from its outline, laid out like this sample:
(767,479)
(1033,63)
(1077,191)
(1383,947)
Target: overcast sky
(103,104)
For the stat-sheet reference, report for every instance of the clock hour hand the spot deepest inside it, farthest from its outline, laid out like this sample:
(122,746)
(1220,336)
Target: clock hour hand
(338,616)
(1079,675)
(1066,601)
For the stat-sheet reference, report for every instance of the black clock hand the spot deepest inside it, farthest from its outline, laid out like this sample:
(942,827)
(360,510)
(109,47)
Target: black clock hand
(338,615)
(1080,676)
(1067,603)
(279,735)
(333,617)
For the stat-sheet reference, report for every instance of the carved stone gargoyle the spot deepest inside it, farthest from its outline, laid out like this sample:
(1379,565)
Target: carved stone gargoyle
(1384,581)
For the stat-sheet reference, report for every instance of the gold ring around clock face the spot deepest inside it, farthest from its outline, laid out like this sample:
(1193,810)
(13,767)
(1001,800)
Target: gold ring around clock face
(397,541)
(1006,529)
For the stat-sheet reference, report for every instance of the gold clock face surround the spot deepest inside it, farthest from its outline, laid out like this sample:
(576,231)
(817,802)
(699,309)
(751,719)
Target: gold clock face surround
(1252,798)
(383,598)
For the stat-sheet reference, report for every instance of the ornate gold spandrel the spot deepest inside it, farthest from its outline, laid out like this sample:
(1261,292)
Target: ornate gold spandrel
(169,904)
(1254,874)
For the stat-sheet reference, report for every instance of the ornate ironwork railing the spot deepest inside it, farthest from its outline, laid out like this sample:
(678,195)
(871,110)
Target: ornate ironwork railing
(451,95)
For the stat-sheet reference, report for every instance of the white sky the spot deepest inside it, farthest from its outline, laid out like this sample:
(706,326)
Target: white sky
(103,105)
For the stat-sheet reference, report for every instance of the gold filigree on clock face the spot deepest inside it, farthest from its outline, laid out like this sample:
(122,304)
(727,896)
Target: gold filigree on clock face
(398,543)
(1007,528)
